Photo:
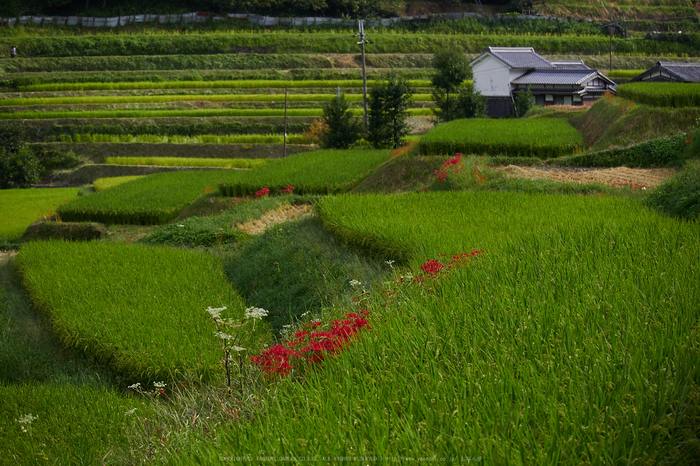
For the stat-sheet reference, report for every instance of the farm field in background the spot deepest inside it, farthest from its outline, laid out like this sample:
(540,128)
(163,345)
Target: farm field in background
(529,307)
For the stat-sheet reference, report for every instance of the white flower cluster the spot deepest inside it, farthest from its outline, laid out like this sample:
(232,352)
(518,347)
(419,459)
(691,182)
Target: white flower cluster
(159,384)
(135,386)
(130,412)
(27,419)
(224,336)
(215,312)
(255,313)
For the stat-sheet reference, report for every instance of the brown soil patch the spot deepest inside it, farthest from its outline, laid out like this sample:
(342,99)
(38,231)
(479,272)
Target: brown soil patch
(7,255)
(620,176)
(280,215)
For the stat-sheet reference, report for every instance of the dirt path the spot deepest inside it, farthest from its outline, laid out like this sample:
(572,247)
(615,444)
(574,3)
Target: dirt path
(273,217)
(621,176)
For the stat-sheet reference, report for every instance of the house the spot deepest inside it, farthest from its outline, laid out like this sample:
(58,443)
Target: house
(501,72)
(668,71)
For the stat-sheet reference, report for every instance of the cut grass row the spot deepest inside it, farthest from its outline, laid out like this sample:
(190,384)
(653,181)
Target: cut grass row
(542,137)
(20,207)
(186,162)
(25,101)
(242,84)
(139,113)
(141,310)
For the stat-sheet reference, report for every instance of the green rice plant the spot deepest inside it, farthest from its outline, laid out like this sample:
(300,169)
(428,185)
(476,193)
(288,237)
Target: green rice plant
(242,84)
(662,94)
(593,291)
(319,172)
(141,310)
(542,138)
(185,162)
(101,184)
(138,113)
(177,139)
(20,207)
(77,100)
(624,73)
(151,200)
(68,424)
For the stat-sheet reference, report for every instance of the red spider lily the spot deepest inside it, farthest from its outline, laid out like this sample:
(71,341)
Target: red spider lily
(312,346)
(287,190)
(689,140)
(263,192)
(431,268)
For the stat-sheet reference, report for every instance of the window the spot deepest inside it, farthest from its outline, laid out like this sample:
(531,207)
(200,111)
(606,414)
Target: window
(548,98)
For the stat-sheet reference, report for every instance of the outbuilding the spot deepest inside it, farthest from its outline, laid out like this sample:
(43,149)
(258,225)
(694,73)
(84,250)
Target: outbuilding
(668,71)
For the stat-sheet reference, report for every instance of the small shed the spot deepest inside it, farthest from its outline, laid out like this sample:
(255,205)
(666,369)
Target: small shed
(668,71)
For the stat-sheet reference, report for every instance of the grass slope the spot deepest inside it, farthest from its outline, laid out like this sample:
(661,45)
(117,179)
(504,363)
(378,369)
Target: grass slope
(20,207)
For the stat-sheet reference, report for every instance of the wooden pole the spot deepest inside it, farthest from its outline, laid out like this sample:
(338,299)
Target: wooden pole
(364,81)
(611,29)
(285,121)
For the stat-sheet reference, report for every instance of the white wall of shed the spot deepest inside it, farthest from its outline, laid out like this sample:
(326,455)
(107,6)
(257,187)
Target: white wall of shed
(491,77)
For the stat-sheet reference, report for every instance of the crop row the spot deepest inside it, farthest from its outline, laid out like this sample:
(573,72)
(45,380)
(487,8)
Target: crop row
(205,44)
(241,84)
(138,113)
(198,63)
(201,139)
(20,207)
(542,138)
(158,198)
(319,172)
(662,94)
(141,310)
(94,100)
(186,162)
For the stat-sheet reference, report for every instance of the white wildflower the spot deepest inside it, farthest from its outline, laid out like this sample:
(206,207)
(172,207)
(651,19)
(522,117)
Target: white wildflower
(390,263)
(286,326)
(159,384)
(215,311)
(355,283)
(135,386)
(305,314)
(27,419)
(237,349)
(224,336)
(130,412)
(255,313)
(181,226)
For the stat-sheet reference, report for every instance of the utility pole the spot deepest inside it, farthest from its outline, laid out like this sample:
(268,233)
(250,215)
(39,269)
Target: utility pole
(362,43)
(611,29)
(285,121)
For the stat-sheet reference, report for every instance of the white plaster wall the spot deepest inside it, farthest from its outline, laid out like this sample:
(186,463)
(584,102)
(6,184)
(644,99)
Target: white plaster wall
(491,77)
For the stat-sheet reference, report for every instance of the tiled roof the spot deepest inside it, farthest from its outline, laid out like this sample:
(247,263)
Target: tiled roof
(520,57)
(571,77)
(689,72)
(570,65)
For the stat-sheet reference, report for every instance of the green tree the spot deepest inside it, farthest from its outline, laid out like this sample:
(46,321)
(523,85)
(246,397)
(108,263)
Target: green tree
(388,110)
(19,169)
(523,102)
(452,70)
(469,103)
(343,129)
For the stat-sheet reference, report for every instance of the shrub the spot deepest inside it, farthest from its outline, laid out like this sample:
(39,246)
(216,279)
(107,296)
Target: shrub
(680,195)
(342,128)
(662,152)
(19,169)
(388,109)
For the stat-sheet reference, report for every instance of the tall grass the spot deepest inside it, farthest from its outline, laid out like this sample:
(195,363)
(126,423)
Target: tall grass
(576,327)
(318,172)
(662,94)
(20,207)
(140,309)
(517,137)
